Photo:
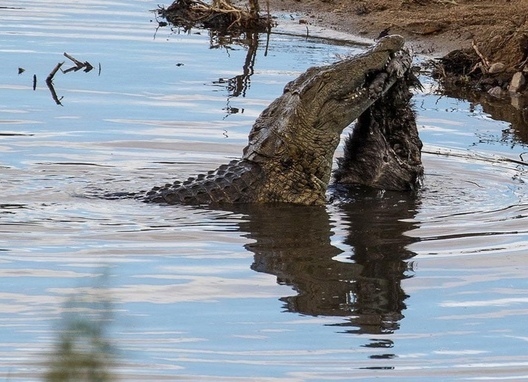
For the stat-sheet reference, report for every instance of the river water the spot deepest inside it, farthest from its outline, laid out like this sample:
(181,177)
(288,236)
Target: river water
(386,286)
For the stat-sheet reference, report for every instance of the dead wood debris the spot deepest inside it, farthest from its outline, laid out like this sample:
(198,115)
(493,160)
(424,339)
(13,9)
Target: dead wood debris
(220,15)
(54,71)
(49,80)
(474,69)
(49,83)
(78,65)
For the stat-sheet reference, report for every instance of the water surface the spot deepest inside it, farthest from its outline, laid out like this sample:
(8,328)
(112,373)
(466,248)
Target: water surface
(385,286)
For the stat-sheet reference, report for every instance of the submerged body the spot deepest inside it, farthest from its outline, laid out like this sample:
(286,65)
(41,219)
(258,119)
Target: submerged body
(292,143)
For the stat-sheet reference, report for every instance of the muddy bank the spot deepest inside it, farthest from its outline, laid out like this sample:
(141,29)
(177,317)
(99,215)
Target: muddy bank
(481,46)
(433,26)
(498,29)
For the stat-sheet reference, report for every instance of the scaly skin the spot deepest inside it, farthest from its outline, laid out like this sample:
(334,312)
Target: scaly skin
(291,145)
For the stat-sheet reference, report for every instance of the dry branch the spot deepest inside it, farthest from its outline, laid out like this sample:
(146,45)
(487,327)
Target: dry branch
(78,64)
(54,71)
(219,15)
(484,60)
(49,82)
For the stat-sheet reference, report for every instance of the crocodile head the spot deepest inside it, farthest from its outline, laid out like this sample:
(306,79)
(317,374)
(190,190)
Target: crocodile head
(295,138)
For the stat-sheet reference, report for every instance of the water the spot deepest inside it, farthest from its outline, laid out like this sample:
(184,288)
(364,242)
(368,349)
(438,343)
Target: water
(386,286)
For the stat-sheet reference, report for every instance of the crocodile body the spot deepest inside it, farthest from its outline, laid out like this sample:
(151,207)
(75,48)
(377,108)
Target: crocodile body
(291,145)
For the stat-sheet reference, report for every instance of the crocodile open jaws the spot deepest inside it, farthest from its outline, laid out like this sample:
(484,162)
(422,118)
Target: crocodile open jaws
(291,145)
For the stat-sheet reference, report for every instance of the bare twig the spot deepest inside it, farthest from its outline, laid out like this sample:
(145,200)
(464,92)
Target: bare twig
(75,61)
(485,61)
(449,153)
(78,64)
(54,71)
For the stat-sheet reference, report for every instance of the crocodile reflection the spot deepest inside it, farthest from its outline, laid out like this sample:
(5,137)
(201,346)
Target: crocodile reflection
(294,243)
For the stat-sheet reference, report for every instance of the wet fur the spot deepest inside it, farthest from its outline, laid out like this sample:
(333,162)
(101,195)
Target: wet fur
(384,149)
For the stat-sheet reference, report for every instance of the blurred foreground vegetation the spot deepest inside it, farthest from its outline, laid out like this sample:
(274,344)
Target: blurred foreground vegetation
(83,352)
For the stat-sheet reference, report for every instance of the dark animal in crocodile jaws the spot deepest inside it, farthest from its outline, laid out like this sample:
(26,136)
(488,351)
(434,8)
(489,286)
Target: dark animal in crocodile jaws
(291,145)
(384,149)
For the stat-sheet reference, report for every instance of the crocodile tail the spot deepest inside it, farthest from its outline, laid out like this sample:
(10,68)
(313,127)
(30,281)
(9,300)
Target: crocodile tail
(234,182)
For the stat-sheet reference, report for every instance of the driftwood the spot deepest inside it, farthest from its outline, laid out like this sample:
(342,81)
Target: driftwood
(481,157)
(54,71)
(78,65)
(220,15)
(484,60)
(49,80)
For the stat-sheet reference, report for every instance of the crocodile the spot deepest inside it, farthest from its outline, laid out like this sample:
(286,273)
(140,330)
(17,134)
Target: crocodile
(292,143)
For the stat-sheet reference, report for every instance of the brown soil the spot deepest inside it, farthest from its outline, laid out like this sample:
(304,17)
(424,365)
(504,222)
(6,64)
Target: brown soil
(435,25)
(492,31)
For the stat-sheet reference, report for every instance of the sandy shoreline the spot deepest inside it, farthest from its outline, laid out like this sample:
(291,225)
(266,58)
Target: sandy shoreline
(432,27)
(314,19)
(483,43)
